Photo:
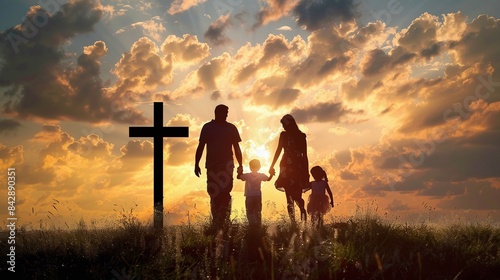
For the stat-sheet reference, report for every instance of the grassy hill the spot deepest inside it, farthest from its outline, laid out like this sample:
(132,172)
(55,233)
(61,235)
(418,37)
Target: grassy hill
(363,247)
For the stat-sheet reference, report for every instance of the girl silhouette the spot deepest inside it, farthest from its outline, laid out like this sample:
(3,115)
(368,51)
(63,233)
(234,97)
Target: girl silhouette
(317,204)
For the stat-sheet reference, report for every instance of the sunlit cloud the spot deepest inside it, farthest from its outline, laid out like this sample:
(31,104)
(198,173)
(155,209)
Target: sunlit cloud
(216,31)
(179,6)
(284,28)
(152,28)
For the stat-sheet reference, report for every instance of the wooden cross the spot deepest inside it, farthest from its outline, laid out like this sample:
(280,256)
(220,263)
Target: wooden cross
(158,131)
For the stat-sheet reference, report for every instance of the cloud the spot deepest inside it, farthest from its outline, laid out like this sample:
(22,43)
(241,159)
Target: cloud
(375,62)
(215,33)
(209,72)
(75,170)
(349,175)
(444,162)
(284,28)
(274,10)
(10,157)
(135,154)
(92,147)
(9,125)
(475,197)
(338,130)
(186,49)
(397,205)
(152,28)
(468,86)
(143,68)
(421,33)
(480,43)
(83,173)
(183,120)
(44,88)
(318,14)
(275,51)
(109,11)
(274,97)
(180,6)
(64,165)
(313,15)
(432,51)
(215,95)
(137,149)
(205,79)
(331,53)
(454,24)
(181,152)
(333,65)
(323,112)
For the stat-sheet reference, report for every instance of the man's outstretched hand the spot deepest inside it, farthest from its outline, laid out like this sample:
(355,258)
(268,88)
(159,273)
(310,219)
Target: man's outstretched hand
(197,170)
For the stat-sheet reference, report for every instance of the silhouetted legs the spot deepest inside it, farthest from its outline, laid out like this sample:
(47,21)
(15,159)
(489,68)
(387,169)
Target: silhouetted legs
(221,210)
(219,186)
(253,206)
(317,219)
(295,196)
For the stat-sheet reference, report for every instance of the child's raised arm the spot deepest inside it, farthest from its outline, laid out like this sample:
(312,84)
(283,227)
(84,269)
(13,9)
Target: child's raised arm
(240,176)
(271,175)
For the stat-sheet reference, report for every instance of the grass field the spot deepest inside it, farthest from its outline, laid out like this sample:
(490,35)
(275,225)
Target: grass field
(362,247)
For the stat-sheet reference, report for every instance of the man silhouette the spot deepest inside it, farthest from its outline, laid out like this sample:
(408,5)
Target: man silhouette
(220,137)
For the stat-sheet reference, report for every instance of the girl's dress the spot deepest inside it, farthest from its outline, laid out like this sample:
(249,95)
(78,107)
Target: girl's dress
(318,200)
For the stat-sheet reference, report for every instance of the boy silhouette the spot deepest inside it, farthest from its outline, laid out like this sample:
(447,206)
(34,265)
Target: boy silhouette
(253,194)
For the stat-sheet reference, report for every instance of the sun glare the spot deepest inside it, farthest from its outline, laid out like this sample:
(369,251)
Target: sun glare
(260,153)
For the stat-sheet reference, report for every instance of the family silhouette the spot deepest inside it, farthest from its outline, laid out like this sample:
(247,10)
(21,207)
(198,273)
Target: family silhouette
(221,138)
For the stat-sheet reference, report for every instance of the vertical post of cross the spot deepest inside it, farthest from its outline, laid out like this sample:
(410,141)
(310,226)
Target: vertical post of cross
(158,132)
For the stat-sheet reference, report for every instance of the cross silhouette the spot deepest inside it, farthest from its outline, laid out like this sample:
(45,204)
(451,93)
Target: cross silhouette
(158,131)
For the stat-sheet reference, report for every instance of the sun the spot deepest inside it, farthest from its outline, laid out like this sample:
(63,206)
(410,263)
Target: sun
(262,154)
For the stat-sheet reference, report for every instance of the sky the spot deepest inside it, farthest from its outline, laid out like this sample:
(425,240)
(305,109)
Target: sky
(399,100)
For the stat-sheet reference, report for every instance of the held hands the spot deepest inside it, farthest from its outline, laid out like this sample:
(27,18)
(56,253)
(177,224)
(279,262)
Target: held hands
(272,171)
(239,171)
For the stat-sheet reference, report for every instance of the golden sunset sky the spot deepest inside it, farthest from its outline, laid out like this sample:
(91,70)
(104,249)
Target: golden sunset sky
(400,101)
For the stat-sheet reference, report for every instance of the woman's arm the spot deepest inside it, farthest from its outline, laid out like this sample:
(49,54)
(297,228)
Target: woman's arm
(277,153)
(306,160)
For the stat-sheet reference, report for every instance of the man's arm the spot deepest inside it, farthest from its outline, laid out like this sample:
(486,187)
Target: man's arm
(199,152)
(239,157)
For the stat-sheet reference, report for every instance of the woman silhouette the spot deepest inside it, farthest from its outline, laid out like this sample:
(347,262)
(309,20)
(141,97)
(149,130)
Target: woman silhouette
(294,166)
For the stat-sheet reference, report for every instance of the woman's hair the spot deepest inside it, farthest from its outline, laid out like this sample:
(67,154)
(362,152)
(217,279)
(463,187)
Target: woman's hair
(290,122)
(318,173)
